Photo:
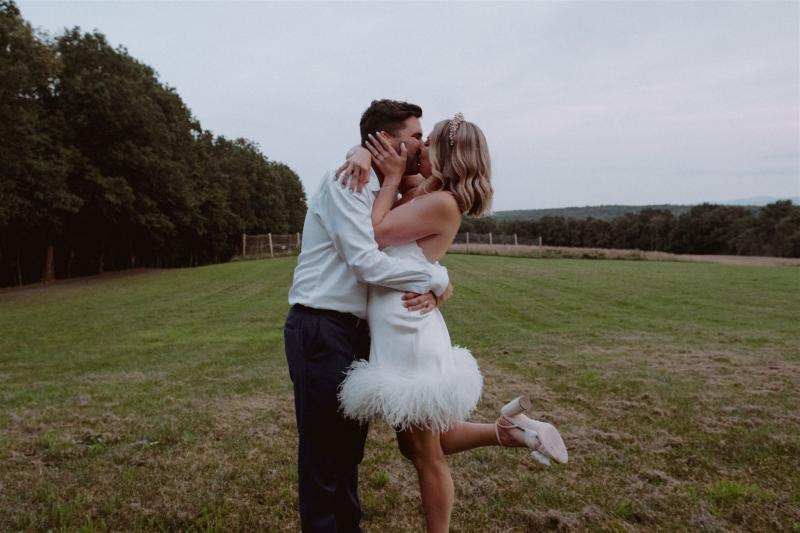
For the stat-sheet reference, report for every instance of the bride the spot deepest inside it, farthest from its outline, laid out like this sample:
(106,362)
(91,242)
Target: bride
(415,379)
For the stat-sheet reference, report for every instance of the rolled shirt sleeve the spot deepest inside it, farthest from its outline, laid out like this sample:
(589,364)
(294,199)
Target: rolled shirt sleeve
(347,218)
(439,279)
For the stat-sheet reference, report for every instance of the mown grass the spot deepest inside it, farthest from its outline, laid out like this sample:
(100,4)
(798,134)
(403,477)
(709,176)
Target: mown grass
(161,400)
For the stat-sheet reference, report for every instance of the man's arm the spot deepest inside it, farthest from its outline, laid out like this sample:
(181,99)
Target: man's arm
(346,217)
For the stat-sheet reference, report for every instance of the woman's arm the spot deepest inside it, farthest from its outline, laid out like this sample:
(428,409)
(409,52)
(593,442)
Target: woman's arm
(391,164)
(409,188)
(355,170)
(429,215)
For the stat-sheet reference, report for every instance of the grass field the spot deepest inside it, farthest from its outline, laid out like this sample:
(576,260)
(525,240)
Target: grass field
(161,400)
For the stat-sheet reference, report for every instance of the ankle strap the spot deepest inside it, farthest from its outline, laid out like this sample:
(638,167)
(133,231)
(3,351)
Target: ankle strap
(510,426)
(498,425)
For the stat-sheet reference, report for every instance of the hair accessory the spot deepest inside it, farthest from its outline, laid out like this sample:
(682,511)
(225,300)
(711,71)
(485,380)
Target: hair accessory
(455,122)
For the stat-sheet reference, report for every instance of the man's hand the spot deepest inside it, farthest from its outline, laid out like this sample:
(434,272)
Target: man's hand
(425,303)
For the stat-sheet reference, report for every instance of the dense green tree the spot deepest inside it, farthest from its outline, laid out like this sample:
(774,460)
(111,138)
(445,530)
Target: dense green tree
(135,137)
(775,225)
(708,229)
(34,162)
(104,167)
(294,196)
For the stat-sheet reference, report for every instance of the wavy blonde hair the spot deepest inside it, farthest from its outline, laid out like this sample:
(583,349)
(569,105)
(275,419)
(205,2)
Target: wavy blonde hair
(463,169)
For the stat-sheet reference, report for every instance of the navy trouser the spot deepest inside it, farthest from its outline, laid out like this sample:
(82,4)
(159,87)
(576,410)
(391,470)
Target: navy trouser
(320,345)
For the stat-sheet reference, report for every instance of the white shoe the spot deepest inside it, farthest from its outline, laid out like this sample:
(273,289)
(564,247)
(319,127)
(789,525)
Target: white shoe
(541,438)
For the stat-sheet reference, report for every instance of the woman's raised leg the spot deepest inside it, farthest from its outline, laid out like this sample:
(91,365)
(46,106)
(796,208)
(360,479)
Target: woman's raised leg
(469,435)
(513,429)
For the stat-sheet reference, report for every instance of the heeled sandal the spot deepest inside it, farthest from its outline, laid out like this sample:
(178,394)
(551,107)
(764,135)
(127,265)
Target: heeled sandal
(541,438)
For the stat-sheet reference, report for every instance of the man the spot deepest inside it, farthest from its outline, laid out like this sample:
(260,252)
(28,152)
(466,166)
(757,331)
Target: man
(326,329)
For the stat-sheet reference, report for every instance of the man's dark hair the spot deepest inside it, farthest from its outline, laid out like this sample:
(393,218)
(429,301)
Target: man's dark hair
(386,115)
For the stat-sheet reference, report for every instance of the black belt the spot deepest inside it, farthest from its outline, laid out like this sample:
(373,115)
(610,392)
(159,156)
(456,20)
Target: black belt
(349,318)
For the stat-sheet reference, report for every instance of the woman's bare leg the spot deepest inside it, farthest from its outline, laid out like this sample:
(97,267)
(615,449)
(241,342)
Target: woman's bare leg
(424,450)
(468,435)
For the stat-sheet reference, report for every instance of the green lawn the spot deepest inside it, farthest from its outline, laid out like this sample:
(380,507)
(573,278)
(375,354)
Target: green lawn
(161,400)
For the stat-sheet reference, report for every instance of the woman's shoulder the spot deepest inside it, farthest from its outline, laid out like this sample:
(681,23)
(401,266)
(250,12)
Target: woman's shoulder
(443,200)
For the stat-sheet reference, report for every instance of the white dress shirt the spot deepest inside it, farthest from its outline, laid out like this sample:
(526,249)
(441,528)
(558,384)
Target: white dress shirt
(339,257)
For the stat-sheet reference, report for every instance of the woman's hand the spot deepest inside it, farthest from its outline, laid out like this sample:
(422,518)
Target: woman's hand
(385,158)
(355,171)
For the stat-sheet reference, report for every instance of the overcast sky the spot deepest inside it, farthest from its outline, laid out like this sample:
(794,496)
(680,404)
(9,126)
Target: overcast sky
(583,103)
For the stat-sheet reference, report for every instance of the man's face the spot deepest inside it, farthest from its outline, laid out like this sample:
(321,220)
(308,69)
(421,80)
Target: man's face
(411,134)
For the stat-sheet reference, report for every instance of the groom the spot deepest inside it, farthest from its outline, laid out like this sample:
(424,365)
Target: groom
(326,329)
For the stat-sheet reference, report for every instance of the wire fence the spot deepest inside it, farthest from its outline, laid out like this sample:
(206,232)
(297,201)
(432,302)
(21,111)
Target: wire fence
(273,244)
(270,245)
(496,238)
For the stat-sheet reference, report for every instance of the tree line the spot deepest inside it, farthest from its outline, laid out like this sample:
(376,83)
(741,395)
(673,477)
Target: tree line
(772,230)
(602,212)
(103,167)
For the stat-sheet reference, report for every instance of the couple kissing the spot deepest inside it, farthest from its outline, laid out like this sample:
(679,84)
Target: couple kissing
(364,336)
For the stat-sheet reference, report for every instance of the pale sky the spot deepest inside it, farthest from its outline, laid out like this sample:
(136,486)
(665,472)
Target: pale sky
(583,103)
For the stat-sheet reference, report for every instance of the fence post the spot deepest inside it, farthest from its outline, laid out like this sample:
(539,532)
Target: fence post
(298,240)
(540,241)
(490,238)
(515,239)
(244,244)
(270,245)
(468,241)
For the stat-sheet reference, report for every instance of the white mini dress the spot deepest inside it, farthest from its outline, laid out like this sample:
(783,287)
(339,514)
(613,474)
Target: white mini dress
(414,377)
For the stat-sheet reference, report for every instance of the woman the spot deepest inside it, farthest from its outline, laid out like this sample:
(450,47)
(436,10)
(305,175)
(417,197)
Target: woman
(415,378)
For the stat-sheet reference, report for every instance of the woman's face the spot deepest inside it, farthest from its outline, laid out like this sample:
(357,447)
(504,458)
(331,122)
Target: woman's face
(424,158)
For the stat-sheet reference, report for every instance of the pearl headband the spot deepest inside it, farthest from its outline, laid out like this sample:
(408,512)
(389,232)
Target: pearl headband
(455,122)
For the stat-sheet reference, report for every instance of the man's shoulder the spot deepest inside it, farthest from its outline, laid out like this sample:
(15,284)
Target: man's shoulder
(324,187)
(332,188)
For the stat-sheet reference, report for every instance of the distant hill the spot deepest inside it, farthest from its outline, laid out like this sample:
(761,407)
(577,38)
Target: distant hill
(759,200)
(602,212)
(608,212)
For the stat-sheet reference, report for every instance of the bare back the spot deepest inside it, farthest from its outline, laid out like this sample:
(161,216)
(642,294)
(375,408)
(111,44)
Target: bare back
(435,246)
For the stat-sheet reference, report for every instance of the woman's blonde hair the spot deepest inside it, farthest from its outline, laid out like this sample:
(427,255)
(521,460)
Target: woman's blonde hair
(460,164)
